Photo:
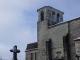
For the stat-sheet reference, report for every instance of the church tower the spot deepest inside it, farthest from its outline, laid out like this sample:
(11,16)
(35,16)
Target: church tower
(52,15)
(48,35)
(55,38)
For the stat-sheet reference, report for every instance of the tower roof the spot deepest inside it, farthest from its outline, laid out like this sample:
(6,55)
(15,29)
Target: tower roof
(32,46)
(48,7)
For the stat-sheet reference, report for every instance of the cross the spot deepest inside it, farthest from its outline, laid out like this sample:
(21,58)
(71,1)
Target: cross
(15,51)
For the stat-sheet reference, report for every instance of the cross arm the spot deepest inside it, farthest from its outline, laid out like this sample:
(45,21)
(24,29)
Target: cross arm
(18,51)
(11,50)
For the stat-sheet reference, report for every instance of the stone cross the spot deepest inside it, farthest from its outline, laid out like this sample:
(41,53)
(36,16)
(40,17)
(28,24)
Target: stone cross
(15,51)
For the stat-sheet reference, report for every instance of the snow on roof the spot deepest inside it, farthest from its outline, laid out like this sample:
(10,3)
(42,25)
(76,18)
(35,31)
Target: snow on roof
(77,38)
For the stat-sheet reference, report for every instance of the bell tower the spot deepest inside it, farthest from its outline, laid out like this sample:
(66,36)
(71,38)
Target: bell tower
(48,17)
(52,15)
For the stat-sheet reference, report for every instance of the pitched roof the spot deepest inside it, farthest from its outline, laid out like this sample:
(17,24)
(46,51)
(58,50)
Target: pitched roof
(32,46)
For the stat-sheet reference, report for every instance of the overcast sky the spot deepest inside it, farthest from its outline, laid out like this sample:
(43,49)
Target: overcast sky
(18,22)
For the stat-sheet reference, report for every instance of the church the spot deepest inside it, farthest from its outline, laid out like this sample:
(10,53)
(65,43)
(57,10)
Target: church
(56,39)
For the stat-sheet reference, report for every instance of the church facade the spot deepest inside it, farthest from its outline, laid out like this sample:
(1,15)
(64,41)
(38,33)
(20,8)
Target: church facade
(56,39)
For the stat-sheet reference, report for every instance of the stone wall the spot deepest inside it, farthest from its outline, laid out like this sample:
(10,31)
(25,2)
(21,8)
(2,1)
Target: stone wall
(28,54)
(74,30)
(54,33)
(77,46)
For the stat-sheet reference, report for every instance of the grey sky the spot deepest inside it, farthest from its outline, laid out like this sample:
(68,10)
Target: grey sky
(18,22)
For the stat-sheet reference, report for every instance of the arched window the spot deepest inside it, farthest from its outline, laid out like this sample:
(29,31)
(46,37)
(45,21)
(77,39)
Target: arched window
(42,15)
(53,15)
(58,18)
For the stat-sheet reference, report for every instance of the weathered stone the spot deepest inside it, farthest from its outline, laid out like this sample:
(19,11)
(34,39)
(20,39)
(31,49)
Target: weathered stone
(61,48)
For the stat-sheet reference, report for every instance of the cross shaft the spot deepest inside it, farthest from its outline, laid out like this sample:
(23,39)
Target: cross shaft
(15,51)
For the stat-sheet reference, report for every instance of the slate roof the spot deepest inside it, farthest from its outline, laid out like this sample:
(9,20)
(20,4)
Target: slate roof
(32,46)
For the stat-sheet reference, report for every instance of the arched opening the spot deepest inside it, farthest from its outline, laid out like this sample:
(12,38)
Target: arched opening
(58,18)
(53,15)
(42,15)
(53,18)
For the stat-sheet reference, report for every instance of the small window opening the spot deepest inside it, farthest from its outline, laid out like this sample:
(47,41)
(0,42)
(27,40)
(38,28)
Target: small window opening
(53,18)
(32,56)
(53,15)
(42,15)
(58,18)
(49,49)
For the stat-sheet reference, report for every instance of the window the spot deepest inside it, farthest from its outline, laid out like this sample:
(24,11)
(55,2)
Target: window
(49,49)
(33,56)
(53,18)
(66,46)
(42,15)
(58,18)
(53,15)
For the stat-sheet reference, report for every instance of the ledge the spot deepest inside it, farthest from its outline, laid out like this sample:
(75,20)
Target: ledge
(31,49)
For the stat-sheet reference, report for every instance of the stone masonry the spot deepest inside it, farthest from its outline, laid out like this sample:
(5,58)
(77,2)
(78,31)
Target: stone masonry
(61,34)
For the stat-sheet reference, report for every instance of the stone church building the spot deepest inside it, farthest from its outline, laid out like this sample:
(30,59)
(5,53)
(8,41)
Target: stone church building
(56,39)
